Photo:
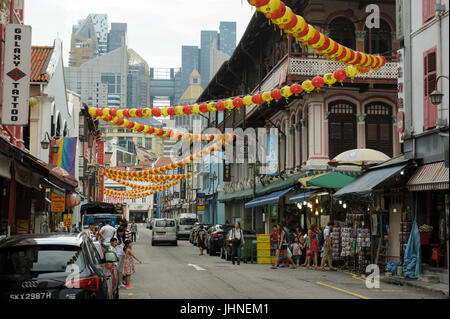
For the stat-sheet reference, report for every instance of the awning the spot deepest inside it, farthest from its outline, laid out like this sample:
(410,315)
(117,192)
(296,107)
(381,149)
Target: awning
(268,199)
(429,177)
(305,180)
(298,198)
(5,167)
(331,180)
(367,182)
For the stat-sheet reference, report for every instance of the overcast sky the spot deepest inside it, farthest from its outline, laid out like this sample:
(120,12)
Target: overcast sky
(156,28)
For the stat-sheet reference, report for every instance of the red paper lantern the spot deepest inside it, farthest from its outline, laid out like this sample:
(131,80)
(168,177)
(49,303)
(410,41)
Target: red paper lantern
(156,112)
(383,63)
(203,107)
(161,132)
(257,99)
(113,112)
(120,122)
(296,89)
(141,128)
(100,112)
(276,94)
(343,54)
(334,51)
(325,45)
(139,112)
(238,102)
(187,109)
(303,33)
(340,75)
(151,130)
(171,111)
(351,58)
(280,12)
(126,114)
(220,106)
(291,23)
(258,3)
(130,125)
(315,38)
(318,82)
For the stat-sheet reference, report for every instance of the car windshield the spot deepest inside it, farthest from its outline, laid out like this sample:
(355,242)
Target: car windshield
(39,259)
(187,221)
(165,223)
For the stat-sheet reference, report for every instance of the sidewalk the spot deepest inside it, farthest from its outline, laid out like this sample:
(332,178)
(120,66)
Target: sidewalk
(417,283)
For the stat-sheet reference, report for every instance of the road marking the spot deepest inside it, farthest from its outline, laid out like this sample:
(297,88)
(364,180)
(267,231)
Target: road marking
(196,267)
(343,290)
(130,294)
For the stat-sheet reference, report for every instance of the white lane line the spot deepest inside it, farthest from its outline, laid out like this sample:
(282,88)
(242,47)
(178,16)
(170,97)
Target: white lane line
(196,267)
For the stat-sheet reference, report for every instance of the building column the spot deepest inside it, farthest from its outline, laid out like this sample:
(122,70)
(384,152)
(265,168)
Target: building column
(317,134)
(361,130)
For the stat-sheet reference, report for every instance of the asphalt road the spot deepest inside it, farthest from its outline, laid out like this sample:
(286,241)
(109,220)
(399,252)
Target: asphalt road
(170,272)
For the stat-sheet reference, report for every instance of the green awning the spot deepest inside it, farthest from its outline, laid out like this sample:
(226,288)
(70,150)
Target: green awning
(246,193)
(331,180)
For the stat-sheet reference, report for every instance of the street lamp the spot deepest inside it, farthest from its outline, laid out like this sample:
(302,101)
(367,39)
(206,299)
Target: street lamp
(436,96)
(45,143)
(213,178)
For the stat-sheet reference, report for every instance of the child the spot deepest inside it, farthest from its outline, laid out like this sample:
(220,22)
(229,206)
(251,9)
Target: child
(128,266)
(296,249)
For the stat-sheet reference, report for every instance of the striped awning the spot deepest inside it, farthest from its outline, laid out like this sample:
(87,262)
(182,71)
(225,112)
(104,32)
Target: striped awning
(429,177)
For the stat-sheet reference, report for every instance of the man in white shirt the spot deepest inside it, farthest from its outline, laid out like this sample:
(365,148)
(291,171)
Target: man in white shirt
(107,231)
(327,247)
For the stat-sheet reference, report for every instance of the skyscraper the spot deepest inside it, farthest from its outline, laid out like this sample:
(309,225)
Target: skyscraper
(117,36)
(208,39)
(227,37)
(138,83)
(190,60)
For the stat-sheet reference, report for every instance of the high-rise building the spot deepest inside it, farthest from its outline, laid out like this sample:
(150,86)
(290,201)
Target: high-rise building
(227,37)
(84,42)
(216,59)
(100,22)
(117,36)
(101,82)
(208,39)
(190,60)
(138,83)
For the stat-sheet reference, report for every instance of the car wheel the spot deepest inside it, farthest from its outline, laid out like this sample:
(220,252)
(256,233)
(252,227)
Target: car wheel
(175,243)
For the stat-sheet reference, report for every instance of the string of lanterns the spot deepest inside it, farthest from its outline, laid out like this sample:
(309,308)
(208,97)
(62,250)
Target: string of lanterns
(135,186)
(143,176)
(120,117)
(131,195)
(283,16)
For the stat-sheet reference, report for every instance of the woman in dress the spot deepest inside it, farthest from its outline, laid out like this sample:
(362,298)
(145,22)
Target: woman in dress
(128,266)
(282,247)
(313,234)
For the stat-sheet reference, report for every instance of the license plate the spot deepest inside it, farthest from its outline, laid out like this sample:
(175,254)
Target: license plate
(160,234)
(31,296)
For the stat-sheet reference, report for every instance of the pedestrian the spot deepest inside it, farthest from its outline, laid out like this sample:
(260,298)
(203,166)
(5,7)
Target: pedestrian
(282,247)
(274,241)
(107,232)
(313,235)
(296,249)
(327,247)
(201,239)
(124,224)
(91,230)
(120,237)
(128,266)
(134,229)
(236,236)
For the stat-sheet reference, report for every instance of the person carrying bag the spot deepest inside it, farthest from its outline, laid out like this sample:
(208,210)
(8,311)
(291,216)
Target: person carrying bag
(236,237)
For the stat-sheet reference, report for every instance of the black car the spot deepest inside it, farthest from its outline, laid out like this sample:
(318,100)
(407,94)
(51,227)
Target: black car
(53,266)
(216,238)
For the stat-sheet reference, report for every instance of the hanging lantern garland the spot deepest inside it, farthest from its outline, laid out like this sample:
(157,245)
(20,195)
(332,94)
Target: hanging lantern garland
(130,195)
(121,117)
(281,15)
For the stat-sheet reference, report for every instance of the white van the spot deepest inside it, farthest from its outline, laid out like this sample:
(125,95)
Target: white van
(164,230)
(185,222)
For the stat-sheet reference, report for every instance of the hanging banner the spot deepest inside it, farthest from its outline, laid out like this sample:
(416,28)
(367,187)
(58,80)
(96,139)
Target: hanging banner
(201,201)
(183,189)
(100,161)
(16,75)
(226,172)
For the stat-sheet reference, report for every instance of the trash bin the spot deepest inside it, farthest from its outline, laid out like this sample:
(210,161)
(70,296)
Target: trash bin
(248,252)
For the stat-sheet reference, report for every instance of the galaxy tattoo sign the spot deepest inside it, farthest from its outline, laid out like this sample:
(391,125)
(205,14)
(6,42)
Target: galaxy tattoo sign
(16,75)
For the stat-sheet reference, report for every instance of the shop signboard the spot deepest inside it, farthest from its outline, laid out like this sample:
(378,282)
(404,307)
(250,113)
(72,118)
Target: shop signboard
(271,167)
(273,211)
(226,171)
(201,201)
(58,202)
(183,189)
(400,95)
(100,161)
(16,75)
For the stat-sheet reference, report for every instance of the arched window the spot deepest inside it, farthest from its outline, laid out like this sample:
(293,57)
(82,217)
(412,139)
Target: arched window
(379,40)
(342,30)
(341,127)
(379,134)
(299,142)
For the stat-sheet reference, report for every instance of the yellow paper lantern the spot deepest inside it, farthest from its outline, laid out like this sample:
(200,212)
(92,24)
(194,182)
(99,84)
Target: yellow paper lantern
(132,112)
(93,111)
(248,100)
(267,97)
(119,114)
(330,49)
(329,79)
(285,18)
(338,52)
(309,35)
(164,111)
(351,72)
(125,123)
(320,42)
(299,27)
(195,109)
(179,110)
(211,107)
(269,8)
(307,86)
(229,104)
(33,101)
(286,91)
(363,59)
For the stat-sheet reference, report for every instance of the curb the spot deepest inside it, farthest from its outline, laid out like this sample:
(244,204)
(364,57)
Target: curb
(415,284)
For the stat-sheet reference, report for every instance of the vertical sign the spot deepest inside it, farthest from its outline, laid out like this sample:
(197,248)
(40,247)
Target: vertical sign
(201,201)
(226,172)
(16,75)
(400,95)
(183,189)
(100,161)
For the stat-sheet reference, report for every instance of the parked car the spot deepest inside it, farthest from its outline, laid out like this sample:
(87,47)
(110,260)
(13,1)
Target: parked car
(53,266)
(225,250)
(185,222)
(216,237)
(111,263)
(165,231)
